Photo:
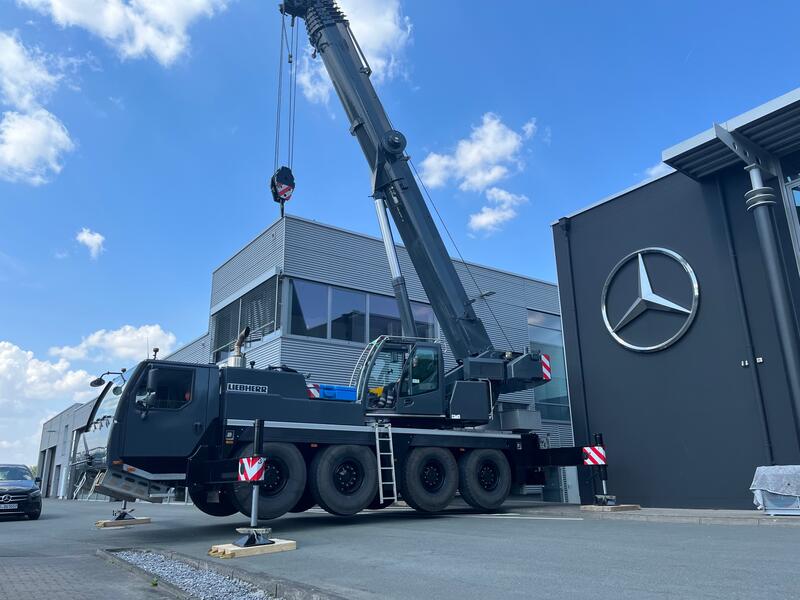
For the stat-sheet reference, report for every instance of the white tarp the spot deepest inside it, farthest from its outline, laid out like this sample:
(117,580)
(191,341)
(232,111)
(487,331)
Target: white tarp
(777,489)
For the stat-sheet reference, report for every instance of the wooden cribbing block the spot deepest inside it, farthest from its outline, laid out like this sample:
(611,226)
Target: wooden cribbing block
(234,551)
(610,508)
(123,523)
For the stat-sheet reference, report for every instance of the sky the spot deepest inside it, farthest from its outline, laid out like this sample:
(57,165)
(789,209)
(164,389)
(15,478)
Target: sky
(137,141)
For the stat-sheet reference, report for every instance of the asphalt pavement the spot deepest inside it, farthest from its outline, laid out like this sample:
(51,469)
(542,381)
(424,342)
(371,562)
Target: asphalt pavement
(526,552)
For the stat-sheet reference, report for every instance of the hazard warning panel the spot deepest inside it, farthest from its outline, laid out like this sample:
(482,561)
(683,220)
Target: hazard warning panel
(594,455)
(251,468)
(547,373)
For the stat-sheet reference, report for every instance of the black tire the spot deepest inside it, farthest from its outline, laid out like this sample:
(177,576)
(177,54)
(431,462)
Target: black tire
(429,479)
(485,478)
(35,515)
(306,501)
(343,479)
(283,485)
(224,508)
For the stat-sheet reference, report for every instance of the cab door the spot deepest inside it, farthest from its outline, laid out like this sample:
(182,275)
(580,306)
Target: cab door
(165,416)
(421,385)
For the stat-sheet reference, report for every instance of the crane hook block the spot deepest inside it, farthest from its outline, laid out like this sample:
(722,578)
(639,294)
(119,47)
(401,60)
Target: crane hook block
(282,185)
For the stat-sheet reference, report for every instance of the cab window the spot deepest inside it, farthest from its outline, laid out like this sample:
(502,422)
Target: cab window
(173,391)
(424,371)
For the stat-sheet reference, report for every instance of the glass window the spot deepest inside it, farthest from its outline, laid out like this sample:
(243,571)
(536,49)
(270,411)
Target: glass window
(309,309)
(544,333)
(423,320)
(424,371)
(384,316)
(14,473)
(796,198)
(173,391)
(348,315)
(259,309)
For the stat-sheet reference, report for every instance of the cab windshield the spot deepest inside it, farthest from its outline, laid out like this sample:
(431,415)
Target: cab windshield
(93,442)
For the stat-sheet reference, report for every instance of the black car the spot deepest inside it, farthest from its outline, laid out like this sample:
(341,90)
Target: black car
(19,492)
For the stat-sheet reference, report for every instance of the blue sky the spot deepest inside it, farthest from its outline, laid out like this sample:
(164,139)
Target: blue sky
(155,130)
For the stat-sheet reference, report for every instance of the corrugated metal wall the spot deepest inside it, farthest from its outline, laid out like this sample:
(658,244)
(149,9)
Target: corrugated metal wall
(259,256)
(197,351)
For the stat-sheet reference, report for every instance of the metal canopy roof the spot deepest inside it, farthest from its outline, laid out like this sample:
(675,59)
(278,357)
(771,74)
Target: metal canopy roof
(774,126)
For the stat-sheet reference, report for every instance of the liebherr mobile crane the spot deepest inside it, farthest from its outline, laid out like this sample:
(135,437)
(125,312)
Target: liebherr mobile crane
(406,428)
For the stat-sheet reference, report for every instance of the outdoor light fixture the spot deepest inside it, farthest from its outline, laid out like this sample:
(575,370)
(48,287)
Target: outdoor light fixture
(99,381)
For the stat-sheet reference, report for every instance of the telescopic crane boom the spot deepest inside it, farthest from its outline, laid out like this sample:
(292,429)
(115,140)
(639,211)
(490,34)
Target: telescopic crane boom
(394,185)
(393,181)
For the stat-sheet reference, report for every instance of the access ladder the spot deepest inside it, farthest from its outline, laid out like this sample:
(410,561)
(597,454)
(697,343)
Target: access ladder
(384,451)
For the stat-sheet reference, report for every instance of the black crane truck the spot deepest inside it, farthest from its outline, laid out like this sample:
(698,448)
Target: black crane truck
(407,426)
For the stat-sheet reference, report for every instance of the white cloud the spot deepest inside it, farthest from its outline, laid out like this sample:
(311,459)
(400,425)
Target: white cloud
(383,33)
(32,139)
(502,208)
(24,77)
(126,344)
(32,146)
(135,28)
(482,159)
(31,390)
(92,240)
(657,170)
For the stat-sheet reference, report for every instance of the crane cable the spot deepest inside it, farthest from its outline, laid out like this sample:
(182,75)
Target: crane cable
(458,251)
(282,182)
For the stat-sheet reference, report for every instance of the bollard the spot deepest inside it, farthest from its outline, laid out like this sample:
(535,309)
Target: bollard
(605,499)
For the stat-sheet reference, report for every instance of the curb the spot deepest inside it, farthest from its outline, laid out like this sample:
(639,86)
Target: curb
(287,589)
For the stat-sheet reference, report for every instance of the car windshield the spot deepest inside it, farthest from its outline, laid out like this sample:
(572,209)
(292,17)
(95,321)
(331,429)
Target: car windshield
(15,474)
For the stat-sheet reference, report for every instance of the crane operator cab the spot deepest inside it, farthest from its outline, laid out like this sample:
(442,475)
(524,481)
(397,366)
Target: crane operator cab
(403,376)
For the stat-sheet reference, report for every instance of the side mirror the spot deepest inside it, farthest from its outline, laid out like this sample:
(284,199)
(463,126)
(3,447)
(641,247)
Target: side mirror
(37,480)
(152,380)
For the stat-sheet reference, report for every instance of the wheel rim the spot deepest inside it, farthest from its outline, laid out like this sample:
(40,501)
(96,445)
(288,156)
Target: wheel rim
(276,475)
(488,475)
(432,475)
(348,476)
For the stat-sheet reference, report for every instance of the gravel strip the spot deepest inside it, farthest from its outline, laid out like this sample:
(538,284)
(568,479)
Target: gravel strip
(199,583)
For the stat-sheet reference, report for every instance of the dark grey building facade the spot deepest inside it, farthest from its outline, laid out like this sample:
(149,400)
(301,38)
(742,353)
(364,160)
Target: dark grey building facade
(680,300)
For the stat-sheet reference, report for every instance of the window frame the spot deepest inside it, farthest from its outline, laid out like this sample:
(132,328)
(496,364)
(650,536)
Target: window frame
(142,379)
(287,317)
(544,402)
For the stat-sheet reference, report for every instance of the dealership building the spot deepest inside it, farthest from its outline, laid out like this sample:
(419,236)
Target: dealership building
(680,302)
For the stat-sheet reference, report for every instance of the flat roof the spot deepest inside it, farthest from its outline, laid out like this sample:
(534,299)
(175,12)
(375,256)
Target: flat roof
(376,238)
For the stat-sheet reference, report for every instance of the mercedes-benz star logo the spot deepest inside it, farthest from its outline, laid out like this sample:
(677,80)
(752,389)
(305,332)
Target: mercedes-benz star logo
(5,499)
(648,299)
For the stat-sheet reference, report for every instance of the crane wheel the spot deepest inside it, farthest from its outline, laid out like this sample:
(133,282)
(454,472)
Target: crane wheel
(429,479)
(306,501)
(283,484)
(485,478)
(343,479)
(223,507)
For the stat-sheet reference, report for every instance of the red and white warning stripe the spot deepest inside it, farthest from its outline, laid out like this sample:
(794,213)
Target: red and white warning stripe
(547,373)
(251,468)
(313,390)
(284,191)
(594,455)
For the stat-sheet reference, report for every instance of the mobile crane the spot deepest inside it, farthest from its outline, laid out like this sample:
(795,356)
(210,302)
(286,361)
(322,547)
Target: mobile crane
(406,428)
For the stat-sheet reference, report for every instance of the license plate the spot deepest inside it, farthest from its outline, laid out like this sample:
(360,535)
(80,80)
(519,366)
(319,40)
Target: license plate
(9,506)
